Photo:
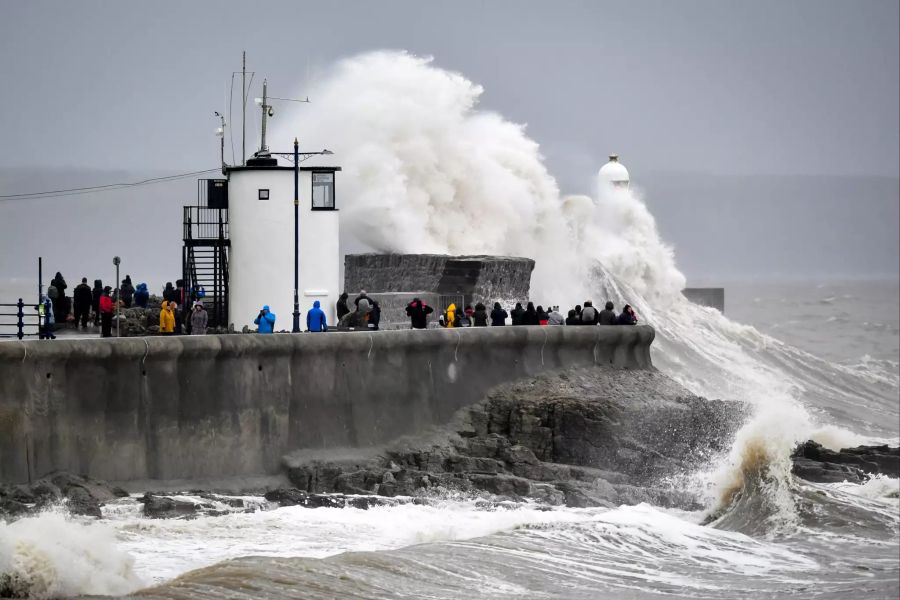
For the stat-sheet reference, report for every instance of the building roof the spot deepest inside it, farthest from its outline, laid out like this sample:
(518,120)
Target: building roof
(278,168)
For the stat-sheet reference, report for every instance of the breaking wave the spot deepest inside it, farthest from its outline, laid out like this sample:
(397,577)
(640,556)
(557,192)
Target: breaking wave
(427,170)
(53,556)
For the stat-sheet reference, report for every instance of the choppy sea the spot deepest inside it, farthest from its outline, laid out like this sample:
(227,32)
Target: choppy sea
(835,345)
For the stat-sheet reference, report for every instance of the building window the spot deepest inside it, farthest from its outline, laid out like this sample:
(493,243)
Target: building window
(323,191)
(263,194)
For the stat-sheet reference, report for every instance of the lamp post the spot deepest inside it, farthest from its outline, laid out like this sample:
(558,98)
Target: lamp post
(297,160)
(116,261)
(296,328)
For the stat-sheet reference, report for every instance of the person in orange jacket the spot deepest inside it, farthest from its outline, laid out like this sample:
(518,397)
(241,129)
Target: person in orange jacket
(167,318)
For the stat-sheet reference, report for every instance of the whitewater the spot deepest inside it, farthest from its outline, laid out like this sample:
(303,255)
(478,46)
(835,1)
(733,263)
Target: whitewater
(426,170)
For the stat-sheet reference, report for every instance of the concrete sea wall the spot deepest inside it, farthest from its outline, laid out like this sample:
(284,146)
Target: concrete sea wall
(232,405)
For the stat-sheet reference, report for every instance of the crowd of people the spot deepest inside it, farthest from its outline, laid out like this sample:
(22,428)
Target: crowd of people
(87,305)
(478,315)
(97,305)
(366,314)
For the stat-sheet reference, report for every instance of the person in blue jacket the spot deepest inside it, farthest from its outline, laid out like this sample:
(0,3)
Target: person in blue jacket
(265,320)
(141,295)
(315,319)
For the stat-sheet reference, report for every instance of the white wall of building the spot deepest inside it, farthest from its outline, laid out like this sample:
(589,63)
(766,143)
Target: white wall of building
(261,260)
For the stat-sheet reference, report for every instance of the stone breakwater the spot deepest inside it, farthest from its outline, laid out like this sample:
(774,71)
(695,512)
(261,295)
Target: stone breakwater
(232,405)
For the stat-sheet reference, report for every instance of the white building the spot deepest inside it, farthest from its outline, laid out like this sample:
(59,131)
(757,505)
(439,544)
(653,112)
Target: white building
(261,233)
(614,172)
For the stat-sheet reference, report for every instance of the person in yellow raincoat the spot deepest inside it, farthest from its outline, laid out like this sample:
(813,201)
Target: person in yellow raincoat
(450,316)
(167,318)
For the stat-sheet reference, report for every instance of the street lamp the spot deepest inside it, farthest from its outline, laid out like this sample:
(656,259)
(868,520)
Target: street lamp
(296,157)
(116,261)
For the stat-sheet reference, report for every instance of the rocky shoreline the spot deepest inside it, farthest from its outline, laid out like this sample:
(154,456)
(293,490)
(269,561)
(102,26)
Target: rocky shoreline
(581,437)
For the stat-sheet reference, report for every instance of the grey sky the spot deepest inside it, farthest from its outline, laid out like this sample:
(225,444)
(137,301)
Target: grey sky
(726,87)
(677,88)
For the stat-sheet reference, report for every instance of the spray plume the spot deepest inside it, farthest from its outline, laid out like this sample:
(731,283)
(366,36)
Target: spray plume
(427,171)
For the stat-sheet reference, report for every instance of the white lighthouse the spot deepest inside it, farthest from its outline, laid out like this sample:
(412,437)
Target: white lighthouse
(261,223)
(614,172)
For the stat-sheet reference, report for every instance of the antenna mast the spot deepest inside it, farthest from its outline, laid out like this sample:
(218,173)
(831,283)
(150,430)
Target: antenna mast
(266,111)
(244,110)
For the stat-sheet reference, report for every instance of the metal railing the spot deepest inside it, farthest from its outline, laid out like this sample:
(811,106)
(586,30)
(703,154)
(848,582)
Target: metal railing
(22,322)
(201,223)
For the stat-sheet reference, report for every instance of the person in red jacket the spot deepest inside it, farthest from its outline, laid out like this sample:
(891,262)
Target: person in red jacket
(106,313)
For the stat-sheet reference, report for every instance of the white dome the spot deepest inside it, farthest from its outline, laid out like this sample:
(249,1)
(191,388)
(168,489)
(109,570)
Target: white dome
(614,172)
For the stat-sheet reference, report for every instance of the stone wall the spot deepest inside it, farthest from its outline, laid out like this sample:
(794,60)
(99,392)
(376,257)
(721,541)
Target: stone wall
(233,405)
(476,278)
(712,297)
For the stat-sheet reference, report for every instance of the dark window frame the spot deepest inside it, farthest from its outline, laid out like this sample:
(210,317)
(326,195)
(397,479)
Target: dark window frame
(260,194)
(312,185)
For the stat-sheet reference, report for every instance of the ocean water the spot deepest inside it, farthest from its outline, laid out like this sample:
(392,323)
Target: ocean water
(814,360)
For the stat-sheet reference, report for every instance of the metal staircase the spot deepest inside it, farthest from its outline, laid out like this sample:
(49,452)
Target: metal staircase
(205,256)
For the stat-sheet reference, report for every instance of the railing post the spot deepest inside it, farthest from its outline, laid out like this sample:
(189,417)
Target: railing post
(21,316)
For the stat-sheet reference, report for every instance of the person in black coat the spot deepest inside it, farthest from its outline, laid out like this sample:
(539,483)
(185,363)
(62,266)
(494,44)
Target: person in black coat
(82,300)
(608,315)
(362,296)
(573,318)
(480,316)
(518,313)
(60,303)
(127,291)
(530,317)
(498,316)
(342,308)
(95,300)
(418,312)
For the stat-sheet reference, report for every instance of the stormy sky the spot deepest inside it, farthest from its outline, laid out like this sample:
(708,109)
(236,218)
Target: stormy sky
(763,134)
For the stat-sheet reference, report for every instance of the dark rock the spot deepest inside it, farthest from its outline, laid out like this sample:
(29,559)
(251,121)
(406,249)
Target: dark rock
(11,507)
(163,507)
(502,485)
(81,502)
(814,462)
(573,437)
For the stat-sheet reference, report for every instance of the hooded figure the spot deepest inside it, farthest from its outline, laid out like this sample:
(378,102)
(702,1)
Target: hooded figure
(418,312)
(45,310)
(342,308)
(498,316)
(169,292)
(530,317)
(167,318)
(573,318)
(60,304)
(265,320)
(450,316)
(95,300)
(627,317)
(315,319)
(542,316)
(81,298)
(518,313)
(141,296)
(608,315)
(127,291)
(480,316)
(199,319)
